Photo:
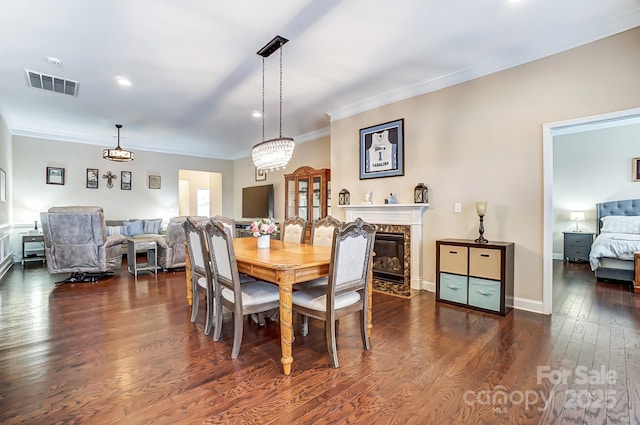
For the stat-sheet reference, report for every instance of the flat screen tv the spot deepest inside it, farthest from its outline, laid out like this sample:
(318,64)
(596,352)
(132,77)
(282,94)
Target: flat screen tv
(257,201)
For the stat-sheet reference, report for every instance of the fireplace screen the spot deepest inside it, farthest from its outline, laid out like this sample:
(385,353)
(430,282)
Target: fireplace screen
(388,262)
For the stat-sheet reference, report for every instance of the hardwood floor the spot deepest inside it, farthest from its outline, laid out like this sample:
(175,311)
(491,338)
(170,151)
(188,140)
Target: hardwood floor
(125,352)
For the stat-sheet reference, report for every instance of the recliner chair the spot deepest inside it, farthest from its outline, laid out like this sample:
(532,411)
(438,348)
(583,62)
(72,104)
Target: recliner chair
(76,242)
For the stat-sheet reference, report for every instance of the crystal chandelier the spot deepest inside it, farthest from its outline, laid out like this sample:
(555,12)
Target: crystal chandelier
(118,154)
(274,153)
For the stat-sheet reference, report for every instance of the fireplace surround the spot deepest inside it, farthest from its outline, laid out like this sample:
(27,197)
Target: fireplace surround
(397,218)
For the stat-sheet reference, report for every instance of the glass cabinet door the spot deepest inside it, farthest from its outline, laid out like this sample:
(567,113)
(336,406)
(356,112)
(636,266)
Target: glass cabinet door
(316,211)
(291,198)
(303,196)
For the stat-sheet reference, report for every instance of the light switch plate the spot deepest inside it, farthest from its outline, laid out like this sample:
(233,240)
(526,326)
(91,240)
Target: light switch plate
(457,207)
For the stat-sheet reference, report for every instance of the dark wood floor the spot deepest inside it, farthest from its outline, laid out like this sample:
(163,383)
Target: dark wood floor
(125,352)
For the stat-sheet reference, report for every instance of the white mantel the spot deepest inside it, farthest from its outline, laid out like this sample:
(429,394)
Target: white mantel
(399,214)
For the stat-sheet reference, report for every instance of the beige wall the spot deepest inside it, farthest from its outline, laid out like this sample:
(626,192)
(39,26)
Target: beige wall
(31,156)
(315,154)
(482,140)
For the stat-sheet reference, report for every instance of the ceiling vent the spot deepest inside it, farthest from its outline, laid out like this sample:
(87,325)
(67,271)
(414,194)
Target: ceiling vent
(38,80)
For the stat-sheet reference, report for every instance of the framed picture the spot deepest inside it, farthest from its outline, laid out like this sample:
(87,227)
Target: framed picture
(92,178)
(125,180)
(154,182)
(3,186)
(260,175)
(635,169)
(382,150)
(55,175)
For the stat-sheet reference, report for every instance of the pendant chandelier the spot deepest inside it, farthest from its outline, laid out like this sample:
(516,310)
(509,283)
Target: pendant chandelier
(118,154)
(274,153)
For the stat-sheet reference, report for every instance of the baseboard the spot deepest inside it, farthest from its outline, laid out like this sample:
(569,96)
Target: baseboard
(427,286)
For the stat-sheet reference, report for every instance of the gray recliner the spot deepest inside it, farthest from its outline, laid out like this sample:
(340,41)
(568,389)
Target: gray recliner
(76,242)
(172,253)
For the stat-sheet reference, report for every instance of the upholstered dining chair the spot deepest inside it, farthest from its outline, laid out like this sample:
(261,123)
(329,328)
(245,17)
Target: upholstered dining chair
(228,222)
(242,299)
(346,290)
(201,273)
(294,229)
(322,231)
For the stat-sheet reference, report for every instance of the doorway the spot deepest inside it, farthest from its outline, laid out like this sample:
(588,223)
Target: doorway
(550,133)
(192,186)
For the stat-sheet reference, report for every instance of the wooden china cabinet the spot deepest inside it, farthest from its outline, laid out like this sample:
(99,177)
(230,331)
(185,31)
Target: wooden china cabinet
(308,194)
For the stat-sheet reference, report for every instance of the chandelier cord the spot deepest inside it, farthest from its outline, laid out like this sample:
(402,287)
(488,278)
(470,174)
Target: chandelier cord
(281,47)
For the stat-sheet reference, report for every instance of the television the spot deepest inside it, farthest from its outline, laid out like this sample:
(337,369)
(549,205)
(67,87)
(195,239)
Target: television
(257,201)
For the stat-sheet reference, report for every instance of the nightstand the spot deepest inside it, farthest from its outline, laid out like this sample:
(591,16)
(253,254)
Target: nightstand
(577,246)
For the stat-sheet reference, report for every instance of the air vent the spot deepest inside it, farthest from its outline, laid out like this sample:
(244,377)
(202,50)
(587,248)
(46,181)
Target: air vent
(38,80)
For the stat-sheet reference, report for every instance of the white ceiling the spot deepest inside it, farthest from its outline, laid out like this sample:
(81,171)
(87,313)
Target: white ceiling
(197,78)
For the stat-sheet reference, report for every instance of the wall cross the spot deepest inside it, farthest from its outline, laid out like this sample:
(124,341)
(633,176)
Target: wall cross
(110,177)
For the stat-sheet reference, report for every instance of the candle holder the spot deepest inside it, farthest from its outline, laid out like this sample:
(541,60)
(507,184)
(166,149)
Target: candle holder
(481,209)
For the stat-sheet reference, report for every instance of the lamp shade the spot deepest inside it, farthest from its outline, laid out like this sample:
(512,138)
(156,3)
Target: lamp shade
(577,216)
(481,208)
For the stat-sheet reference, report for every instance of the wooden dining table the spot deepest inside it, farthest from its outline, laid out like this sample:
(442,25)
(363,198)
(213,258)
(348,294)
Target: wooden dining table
(285,264)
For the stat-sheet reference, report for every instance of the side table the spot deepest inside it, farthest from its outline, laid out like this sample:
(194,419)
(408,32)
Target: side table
(134,245)
(28,252)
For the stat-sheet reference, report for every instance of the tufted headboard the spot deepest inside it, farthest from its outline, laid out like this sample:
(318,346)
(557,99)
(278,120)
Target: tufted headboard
(626,207)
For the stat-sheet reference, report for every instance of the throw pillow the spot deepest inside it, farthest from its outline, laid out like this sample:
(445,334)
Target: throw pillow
(134,228)
(115,230)
(152,226)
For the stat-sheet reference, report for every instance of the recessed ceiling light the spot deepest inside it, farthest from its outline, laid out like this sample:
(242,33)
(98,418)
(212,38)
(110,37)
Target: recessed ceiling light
(256,114)
(122,81)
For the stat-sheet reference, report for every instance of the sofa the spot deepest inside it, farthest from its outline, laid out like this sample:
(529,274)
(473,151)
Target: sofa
(171,250)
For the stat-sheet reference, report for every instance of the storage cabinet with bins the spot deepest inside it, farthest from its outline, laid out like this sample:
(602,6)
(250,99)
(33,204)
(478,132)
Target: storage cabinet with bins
(475,275)
(308,193)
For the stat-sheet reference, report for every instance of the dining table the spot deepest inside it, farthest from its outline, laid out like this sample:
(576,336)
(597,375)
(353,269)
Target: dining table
(286,264)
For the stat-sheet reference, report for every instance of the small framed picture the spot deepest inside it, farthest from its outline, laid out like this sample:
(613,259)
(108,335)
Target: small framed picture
(635,169)
(154,182)
(125,180)
(260,175)
(382,150)
(55,175)
(92,178)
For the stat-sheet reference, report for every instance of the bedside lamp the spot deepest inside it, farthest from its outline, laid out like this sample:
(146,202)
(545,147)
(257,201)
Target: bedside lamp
(577,216)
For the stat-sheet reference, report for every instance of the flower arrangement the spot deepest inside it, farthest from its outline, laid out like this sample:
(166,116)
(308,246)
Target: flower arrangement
(264,226)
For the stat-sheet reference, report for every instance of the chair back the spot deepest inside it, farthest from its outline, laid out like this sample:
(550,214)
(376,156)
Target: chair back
(198,251)
(228,222)
(223,261)
(174,255)
(351,260)
(322,231)
(294,229)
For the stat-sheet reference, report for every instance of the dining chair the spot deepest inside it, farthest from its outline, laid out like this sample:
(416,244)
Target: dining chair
(228,222)
(294,229)
(242,299)
(201,274)
(347,289)
(321,235)
(322,231)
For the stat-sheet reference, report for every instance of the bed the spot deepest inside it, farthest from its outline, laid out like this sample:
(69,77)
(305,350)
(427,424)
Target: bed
(618,238)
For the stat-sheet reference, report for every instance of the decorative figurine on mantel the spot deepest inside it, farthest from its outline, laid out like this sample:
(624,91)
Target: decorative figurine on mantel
(392,199)
(367,198)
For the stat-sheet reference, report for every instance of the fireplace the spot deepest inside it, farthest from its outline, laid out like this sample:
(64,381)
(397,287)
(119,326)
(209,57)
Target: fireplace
(404,219)
(389,260)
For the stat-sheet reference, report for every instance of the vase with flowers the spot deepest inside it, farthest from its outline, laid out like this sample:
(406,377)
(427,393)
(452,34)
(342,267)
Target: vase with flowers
(262,229)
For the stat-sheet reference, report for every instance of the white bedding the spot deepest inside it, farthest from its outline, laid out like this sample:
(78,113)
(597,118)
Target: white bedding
(613,245)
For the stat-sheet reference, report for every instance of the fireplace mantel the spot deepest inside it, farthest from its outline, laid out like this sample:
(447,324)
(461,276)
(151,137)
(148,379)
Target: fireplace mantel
(403,214)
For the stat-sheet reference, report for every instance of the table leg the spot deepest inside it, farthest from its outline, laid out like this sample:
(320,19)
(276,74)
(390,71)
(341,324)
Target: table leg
(286,327)
(636,277)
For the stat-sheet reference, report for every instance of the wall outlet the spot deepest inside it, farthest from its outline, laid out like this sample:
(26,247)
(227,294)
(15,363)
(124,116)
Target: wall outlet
(457,207)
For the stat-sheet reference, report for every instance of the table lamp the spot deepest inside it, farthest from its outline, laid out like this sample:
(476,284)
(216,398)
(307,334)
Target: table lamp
(577,216)
(481,209)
